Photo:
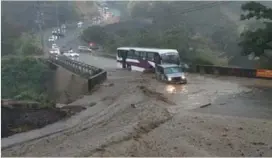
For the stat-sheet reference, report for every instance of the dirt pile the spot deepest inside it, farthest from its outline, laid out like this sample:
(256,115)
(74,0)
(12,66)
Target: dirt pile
(18,119)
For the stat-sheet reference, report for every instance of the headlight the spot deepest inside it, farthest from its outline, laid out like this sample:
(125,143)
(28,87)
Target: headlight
(183,77)
(169,78)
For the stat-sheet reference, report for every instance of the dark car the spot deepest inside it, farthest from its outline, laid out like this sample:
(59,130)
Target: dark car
(93,46)
(58,34)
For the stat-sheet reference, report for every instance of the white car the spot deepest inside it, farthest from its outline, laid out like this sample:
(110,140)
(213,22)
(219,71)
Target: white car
(74,55)
(70,51)
(71,54)
(79,24)
(84,48)
(55,51)
(51,39)
(54,46)
(55,37)
(63,26)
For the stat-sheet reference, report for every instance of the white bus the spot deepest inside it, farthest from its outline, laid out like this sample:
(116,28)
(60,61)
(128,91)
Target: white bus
(140,59)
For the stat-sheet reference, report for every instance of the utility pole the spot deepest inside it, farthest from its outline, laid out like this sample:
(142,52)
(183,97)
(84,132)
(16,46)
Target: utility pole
(40,22)
(57,14)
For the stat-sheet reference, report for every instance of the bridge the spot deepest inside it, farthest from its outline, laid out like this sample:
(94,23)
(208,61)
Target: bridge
(92,74)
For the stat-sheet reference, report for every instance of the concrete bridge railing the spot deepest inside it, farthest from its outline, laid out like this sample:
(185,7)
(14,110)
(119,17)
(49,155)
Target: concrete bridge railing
(93,74)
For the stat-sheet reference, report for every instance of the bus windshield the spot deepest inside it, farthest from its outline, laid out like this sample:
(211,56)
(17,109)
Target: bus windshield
(170,58)
(171,70)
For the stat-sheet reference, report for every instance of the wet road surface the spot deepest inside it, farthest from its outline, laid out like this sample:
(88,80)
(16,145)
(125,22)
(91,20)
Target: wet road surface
(227,95)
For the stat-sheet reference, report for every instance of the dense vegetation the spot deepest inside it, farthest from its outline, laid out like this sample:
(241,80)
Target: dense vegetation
(258,41)
(161,24)
(25,13)
(25,79)
(23,76)
(203,32)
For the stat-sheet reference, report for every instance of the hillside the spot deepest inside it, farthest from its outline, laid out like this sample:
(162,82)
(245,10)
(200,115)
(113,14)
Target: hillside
(87,9)
(215,25)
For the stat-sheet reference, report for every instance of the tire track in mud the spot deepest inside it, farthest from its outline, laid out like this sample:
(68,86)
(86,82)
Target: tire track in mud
(65,131)
(135,132)
(157,95)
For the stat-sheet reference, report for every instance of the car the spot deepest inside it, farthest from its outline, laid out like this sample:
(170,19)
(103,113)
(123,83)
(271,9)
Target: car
(63,26)
(79,24)
(71,53)
(170,73)
(93,46)
(74,54)
(55,51)
(84,49)
(54,45)
(58,34)
(70,50)
(55,37)
(51,39)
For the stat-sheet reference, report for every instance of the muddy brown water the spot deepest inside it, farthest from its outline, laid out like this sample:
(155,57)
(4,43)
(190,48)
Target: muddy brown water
(234,96)
(254,104)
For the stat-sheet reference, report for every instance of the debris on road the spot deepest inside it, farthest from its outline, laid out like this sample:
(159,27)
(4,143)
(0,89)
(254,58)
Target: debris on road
(205,105)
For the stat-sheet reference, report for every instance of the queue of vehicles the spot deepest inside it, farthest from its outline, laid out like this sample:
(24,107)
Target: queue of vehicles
(55,50)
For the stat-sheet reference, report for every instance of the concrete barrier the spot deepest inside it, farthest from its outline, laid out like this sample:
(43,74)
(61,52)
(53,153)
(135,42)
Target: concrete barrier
(231,71)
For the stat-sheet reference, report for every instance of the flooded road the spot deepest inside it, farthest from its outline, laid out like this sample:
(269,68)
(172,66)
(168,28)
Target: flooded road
(228,95)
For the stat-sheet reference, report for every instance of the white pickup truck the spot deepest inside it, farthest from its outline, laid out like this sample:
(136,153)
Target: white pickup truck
(55,51)
(71,53)
(84,49)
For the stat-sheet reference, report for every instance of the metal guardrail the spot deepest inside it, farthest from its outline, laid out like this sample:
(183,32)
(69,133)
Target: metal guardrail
(93,74)
(231,71)
(221,70)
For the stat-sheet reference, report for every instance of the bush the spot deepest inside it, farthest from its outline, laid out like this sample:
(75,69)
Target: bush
(25,78)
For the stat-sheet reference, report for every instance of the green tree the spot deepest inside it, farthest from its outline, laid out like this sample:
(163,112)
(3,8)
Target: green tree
(259,40)
(24,78)
(28,44)
(94,34)
(10,33)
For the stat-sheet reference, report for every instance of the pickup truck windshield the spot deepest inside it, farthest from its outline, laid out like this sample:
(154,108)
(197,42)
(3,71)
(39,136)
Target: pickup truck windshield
(171,70)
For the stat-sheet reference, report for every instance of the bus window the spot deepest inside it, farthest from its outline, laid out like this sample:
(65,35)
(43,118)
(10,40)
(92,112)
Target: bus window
(119,52)
(122,53)
(137,55)
(150,56)
(157,58)
(142,55)
(131,54)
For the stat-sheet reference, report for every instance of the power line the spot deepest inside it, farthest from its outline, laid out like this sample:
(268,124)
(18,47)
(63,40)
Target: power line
(202,7)
(57,15)
(40,22)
